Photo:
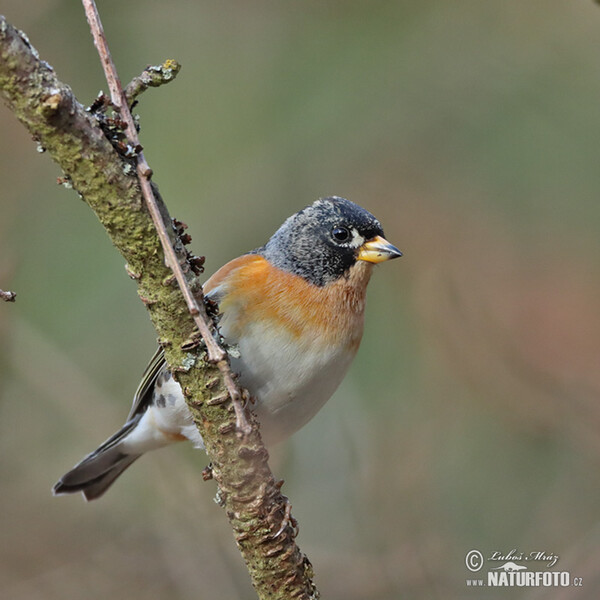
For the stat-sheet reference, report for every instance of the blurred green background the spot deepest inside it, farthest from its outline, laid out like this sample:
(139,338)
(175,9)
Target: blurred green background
(470,418)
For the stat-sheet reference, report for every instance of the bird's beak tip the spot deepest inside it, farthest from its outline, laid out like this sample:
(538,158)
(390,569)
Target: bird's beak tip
(378,250)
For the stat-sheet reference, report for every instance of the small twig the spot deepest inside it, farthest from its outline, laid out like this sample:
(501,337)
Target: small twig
(7,296)
(152,76)
(216,354)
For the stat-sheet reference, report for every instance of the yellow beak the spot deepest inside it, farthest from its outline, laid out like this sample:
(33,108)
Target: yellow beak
(378,250)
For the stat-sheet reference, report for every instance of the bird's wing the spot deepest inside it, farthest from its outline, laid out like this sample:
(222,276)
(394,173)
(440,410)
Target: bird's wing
(143,394)
(214,289)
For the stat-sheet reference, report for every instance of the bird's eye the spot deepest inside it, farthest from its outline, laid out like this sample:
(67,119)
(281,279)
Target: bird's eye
(341,234)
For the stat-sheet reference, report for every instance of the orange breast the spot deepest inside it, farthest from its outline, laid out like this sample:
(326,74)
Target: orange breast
(256,290)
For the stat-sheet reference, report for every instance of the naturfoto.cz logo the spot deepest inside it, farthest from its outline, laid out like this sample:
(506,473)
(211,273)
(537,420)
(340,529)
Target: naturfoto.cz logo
(509,573)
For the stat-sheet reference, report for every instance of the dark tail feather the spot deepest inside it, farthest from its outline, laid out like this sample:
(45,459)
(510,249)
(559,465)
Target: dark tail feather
(98,471)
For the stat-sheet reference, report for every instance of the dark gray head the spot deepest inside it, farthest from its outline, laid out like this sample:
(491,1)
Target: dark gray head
(324,240)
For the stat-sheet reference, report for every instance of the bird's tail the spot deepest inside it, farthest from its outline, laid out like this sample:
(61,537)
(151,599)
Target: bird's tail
(98,470)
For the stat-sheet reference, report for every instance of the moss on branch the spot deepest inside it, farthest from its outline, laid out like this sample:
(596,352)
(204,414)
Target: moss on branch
(258,513)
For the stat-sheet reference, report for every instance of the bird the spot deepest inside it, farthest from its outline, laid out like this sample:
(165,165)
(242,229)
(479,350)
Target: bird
(292,310)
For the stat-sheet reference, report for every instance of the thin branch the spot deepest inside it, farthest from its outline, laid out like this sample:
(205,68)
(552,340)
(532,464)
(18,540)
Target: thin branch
(7,296)
(216,354)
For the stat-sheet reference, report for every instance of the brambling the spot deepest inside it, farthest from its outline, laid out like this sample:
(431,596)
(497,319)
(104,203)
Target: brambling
(293,310)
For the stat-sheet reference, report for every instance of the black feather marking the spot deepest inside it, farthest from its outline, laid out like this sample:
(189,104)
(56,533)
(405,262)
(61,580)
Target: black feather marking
(304,245)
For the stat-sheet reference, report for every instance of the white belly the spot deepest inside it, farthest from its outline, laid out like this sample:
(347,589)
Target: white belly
(290,382)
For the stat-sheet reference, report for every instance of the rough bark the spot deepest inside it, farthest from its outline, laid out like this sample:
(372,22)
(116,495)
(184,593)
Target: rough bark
(258,513)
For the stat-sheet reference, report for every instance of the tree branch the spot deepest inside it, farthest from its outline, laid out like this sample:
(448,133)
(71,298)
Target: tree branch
(257,511)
